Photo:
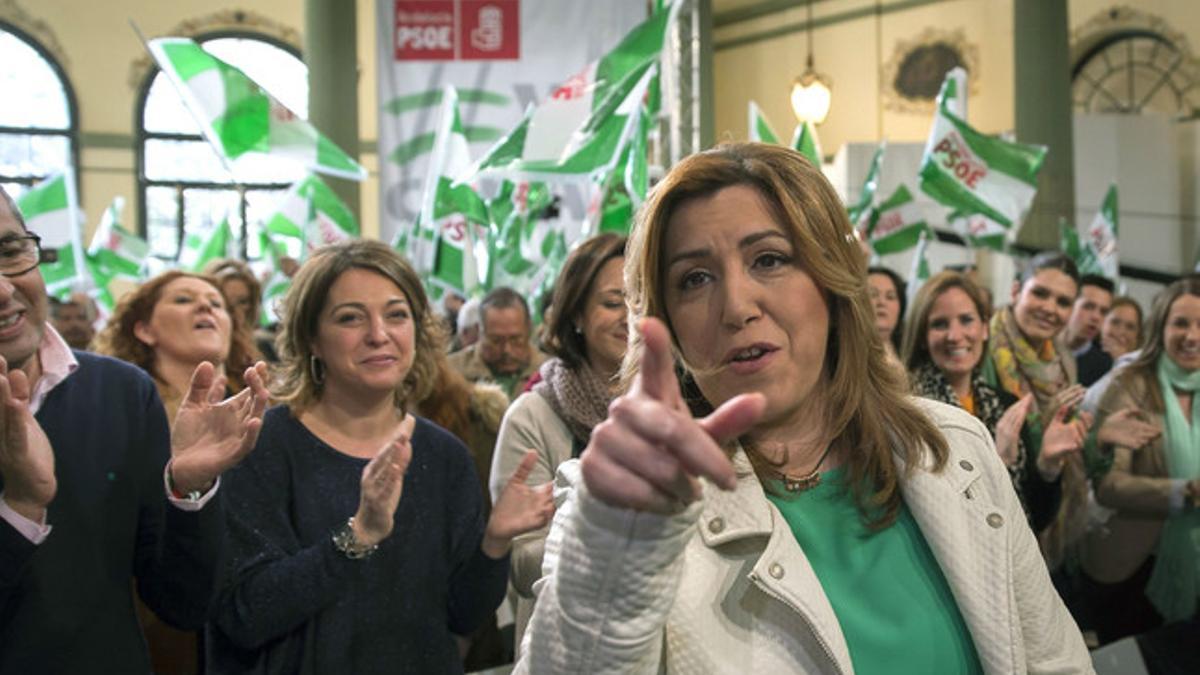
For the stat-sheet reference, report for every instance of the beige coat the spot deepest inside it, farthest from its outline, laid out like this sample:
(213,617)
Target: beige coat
(1138,488)
(471,366)
(723,587)
(529,424)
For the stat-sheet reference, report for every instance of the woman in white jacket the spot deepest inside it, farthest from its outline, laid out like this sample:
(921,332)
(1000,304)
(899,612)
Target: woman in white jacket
(814,519)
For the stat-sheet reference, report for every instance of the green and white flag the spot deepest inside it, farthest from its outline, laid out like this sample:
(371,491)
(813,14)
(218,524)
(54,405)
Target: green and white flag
(52,212)
(596,149)
(971,172)
(859,210)
(449,240)
(896,224)
(114,252)
(1102,235)
(239,118)
(602,84)
(805,141)
(954,92)
(309,216)
(1068,241)
(919,273)
(621,193)
(277,283)
(980,231)
(203,245)
(523,244)
(760,130)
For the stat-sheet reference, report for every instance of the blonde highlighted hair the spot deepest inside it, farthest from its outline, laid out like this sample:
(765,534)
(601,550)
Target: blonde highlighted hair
(914,350)
(870,415)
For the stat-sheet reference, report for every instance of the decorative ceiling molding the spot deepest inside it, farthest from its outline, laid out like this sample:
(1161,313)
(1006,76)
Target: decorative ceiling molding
(236,20)
(911,77)
(16,16)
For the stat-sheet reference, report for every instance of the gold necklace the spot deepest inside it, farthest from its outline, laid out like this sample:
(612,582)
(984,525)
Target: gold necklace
(808,481)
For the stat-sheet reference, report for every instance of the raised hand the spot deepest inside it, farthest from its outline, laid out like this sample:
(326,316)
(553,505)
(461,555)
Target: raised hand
(520,508)
(381,487)
(650,451)
(26,458)
(211,435)
(1069,397)
(1062,439)
(1008,429)
(1128,428)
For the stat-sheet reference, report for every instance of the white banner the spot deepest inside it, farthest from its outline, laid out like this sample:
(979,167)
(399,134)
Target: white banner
(501,55)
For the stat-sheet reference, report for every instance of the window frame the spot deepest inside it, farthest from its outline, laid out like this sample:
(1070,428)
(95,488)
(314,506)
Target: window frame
(141,136)
(71,133)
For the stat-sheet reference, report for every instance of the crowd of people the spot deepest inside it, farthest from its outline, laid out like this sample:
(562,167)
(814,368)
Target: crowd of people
(730,446)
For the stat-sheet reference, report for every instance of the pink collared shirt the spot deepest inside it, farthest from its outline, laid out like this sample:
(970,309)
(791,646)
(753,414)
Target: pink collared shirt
(58,362)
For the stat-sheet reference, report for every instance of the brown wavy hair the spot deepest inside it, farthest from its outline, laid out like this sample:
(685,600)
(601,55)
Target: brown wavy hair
(870,414)
(227,269)
(1145,366)
(301,309)
(1126,301)
(571,292)
(118,338)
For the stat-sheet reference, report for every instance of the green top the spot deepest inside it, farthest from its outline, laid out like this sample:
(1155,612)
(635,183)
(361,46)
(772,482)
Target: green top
(886,588)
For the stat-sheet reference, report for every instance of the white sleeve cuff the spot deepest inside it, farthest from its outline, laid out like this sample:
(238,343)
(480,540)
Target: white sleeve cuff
(183,502)
(1176,498)
(33,531)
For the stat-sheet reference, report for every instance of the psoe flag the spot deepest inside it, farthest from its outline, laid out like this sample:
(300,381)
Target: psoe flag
(1102,235)
(897,224)
(971,172)
(239,118)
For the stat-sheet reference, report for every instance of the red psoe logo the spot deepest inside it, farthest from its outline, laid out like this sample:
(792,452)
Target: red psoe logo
(453,30)
(424,30)
(491,30)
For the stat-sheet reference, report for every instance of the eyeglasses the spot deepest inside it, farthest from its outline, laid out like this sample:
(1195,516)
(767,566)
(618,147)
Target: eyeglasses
(21,254)
(500,341)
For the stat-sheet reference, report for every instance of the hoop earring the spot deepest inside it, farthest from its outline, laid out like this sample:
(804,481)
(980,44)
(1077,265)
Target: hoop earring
(317,370)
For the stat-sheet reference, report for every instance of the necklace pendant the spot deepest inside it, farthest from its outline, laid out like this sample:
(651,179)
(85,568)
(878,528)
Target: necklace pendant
(802,483)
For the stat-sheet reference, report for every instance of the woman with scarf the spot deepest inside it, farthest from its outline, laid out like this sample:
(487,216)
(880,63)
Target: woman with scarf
(1025,357)
(586,334)
(943,348)
(1141,567)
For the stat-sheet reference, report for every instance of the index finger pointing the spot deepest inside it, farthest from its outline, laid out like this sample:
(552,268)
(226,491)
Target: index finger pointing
(656,372)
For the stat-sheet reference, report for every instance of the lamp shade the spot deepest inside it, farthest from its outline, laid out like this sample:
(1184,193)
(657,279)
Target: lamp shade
(811,97)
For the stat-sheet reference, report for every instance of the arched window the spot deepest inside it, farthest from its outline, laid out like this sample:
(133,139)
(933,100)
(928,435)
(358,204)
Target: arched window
(182,180)
(1132,71)
(38,121)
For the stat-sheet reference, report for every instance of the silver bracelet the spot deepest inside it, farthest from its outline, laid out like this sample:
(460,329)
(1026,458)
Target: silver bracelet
(345,541)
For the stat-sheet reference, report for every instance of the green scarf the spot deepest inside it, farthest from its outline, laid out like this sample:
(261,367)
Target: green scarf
(1175,583)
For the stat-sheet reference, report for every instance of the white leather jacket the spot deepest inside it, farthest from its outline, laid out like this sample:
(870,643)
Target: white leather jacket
(723,587)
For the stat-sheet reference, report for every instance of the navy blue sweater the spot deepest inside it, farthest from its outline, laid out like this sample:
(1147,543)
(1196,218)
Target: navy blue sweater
(66,605)
(292,603)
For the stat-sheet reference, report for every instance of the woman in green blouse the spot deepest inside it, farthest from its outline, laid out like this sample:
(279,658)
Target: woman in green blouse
(781,506)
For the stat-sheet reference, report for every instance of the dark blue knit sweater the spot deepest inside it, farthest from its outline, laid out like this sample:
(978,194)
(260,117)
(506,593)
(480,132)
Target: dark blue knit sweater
(66,605)
(292,603)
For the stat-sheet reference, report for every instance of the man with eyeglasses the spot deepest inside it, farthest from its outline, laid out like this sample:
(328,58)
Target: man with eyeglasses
(94,490)
(503,354)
